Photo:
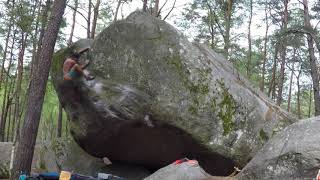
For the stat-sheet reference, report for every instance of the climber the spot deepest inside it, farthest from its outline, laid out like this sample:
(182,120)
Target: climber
(72,69)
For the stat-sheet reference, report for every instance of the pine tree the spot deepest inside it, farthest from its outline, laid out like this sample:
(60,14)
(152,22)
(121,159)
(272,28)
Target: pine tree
(23,158)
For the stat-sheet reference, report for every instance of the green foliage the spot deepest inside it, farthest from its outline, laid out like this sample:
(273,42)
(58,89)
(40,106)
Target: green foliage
(24,14)
(4,171)
(105,17)
(307,108)
(209,20)
(227,109)
(263,135)
(49,115)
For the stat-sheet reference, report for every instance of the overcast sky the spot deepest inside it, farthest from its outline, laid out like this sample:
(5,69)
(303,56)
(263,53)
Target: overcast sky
(126,9)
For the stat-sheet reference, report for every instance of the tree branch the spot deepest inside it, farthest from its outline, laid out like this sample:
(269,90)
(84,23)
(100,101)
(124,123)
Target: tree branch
(315,27)
(161,8)
(78,12)
(173,6)
(308,32)
(216,20)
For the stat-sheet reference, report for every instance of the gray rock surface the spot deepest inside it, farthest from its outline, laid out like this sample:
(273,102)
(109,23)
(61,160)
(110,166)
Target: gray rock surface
(294,153)
(5,154)
(183,171)
(157,98)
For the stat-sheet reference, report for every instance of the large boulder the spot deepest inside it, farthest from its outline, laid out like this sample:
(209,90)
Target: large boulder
(294,153)
(5,155)
(157,97)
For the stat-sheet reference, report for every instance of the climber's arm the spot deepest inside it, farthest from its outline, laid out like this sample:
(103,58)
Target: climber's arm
(86,64)
(67,65)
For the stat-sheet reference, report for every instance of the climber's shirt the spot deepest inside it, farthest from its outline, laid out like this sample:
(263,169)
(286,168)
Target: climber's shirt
(69,72)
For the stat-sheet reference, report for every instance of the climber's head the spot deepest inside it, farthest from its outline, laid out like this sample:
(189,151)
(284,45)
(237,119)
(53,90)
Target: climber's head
(75,56)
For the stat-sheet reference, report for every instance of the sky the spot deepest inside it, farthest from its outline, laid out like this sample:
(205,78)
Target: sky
(124,11)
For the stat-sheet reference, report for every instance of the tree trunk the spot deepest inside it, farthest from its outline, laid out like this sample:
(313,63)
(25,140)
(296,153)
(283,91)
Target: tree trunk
(310,102)
(67,125)
(9,68)
(73,21)
(7,101)
(145,2)
(35,40)
(228,14)
(264,49)
(317,41)
(283,53)
(12,132)
(44,19)
(6,48)
(117,10)
(10,126)
(23,159)
(95,18)
(298,92)
(89,19)
(4,55)
(211,26)
(8,109)
(274,68)
(249,43)
(4,111)
(3,114)
(290,84)
(156,8)
(59,128)
(313,60)
(17,92)
(11,112)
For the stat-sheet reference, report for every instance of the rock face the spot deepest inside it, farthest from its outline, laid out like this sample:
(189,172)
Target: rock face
(5,155)
(294,153)
(183,171)
(157,98)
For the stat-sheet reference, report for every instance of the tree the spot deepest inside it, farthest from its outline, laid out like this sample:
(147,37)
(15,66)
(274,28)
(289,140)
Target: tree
(156,8)
(172,7)
(272,83)
(144,8)
(291,80)
(119,3)
(23,158)
(73,21)
(105,16)
(89,19)
(44,18)
(59,125)
(313,61)
(283,49)
(216,24)
(262,82)
(9,6)
(298,93)
(6,73)
(249,42)
(95,18)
